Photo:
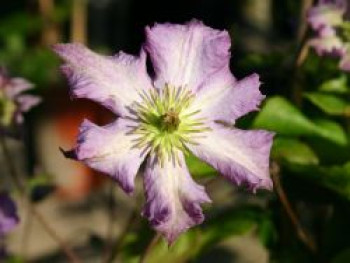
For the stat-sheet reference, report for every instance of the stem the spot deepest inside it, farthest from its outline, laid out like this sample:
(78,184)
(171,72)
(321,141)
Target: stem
(297,88)
(149,247)
(24,193)
(306,4)
(110,221)
(306,239)
(79,21)
(27,230)
(130,222)
(50,33)
(302,53)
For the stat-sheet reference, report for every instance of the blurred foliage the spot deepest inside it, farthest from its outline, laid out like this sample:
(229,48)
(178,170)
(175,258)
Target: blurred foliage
(282,117)
(233,222)
(198,169)
(312,148)
(21,47)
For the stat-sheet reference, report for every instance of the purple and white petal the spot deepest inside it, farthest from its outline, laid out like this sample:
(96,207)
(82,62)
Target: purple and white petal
(240,156)
(172,197)
(327,13)
(186,55)
(115,81)
(328,43)
(23,104)
(223,98)
(15,86)
(8,214)
(111,150)
(26,102)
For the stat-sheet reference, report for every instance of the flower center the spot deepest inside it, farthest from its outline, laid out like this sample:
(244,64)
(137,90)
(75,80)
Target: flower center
(166,123)
(170,121)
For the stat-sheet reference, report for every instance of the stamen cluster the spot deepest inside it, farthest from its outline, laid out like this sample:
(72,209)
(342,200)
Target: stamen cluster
(165,122)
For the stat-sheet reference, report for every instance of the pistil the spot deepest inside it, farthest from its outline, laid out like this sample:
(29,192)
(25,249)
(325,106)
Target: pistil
(170,121)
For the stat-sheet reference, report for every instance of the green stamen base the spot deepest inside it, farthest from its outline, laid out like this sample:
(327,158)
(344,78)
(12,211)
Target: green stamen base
(166,125)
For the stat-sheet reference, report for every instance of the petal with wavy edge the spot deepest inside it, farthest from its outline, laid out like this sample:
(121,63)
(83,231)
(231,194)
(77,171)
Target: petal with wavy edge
(111,150)
(240,156)
(17,86)
(328,43)
(26,102)
(225,99)
(172,197)
(115,81)
(186,55)
(327,13)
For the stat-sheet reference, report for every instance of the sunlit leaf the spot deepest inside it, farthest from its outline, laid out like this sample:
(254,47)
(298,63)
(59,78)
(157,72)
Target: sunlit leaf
(281,116)
(199,169)
(293,151)
(330,104)
(337,85)
(331,131)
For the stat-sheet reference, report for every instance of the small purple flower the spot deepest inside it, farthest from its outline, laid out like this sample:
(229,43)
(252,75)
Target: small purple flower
(12,102)
(328,43)
(327,13)
(326,18)
(162,119)
(8,214)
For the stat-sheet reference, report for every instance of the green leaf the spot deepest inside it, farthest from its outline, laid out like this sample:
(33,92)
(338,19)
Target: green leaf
(337,85)
(14,259)
(335,178)
(20,23)
(199,169)
(181,251)
(293,151)
(331,131)
(267,232)
(328,103)
(184,248)
(236,221)
(328,152)
(281,116)
(191,244)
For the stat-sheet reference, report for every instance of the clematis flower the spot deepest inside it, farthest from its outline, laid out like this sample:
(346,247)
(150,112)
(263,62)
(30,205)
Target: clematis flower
(326,18)
(12,102)
(328,43)
(161,119)
(327,13)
